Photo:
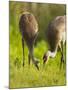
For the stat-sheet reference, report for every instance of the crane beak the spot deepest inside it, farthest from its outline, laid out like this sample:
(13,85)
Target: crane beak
(44,59)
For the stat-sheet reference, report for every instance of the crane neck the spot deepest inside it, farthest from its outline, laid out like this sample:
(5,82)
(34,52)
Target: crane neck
(51,54)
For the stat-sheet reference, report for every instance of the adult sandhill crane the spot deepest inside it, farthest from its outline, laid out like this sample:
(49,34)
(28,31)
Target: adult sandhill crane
(56,38)
(29,31)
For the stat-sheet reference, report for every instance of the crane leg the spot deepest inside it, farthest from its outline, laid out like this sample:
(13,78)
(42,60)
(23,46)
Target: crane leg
(23,52)
(62,55)
(29,59)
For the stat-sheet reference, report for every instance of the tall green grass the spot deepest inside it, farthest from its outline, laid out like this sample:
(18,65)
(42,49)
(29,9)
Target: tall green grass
(29,76)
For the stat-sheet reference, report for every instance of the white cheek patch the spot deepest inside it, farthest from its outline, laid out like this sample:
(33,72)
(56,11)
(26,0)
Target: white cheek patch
(52,54)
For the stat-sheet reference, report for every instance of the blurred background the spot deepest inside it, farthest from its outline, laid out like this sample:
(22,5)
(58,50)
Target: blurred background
(44,13)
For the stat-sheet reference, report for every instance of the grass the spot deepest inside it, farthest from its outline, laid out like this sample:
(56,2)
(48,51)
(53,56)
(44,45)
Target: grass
(29,76)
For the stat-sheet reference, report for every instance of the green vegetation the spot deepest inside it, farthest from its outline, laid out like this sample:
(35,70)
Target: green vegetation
(29,76)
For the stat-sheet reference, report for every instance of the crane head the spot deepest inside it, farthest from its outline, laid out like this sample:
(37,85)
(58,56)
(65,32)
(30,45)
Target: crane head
(45,57)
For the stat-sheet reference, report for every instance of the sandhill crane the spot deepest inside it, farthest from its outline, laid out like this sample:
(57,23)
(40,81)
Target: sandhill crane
(55,37)
(29,31)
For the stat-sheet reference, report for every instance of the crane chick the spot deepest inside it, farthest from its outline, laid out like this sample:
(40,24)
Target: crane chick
(29,31)
(55,35)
